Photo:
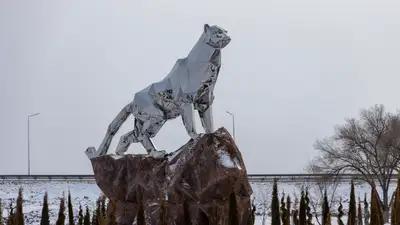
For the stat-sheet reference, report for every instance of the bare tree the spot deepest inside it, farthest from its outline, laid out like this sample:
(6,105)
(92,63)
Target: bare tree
(317,189)
(323,184)
(369,146)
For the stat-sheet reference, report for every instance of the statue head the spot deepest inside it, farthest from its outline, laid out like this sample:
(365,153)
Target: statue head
(216,36)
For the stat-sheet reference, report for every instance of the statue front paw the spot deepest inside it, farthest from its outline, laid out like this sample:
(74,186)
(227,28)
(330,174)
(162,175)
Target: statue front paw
(119,153)
(121,148)
(91,152)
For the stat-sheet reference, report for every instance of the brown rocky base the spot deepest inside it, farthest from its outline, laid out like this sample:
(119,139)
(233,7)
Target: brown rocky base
(202,183)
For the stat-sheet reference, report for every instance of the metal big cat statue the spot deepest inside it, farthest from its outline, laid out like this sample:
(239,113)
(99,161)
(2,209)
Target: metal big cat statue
(188,87)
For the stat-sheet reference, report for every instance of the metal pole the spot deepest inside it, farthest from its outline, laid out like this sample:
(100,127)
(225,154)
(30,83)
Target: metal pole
(233,123)
(29,149)
(29,144)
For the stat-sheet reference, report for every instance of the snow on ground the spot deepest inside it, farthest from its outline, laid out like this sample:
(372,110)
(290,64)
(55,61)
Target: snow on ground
(336,191)
(86,193)
(82,192)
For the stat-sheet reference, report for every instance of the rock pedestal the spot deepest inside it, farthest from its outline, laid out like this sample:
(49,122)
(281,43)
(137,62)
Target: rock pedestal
(202,183)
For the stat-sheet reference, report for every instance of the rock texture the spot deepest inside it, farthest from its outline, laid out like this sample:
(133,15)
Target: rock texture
(202,183)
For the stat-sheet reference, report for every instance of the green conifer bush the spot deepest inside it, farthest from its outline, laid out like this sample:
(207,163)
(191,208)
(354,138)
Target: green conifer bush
(275,217)
(70,210)
(376,209)
(61,212)
(45,220)
(352,213)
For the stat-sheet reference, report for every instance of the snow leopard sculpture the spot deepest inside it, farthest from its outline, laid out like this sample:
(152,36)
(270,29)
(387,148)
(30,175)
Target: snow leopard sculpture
(188,87)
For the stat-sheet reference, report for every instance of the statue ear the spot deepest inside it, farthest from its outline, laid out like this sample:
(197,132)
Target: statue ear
(206,27)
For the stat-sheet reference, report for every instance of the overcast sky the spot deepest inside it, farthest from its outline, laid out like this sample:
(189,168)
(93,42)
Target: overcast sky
(293,70)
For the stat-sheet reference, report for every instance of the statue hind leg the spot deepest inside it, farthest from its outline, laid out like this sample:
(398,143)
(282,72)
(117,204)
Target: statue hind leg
(125,141)
(149,130)
(142,133)
(128,138)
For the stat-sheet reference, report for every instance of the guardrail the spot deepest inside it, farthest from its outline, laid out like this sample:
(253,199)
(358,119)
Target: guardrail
(302,177)
(48,177)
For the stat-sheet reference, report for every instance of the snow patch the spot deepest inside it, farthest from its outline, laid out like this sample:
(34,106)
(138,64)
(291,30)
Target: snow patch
(226,160)
(237,163)
(116,156)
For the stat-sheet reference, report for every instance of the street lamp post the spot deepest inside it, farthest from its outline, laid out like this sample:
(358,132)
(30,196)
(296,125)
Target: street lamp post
(233,123)
(29,144)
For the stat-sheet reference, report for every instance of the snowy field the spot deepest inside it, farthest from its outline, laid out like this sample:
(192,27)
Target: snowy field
(82,192)
(336,191)
(87,192)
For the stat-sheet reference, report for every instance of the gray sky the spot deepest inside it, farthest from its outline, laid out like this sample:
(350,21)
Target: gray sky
(293,70)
